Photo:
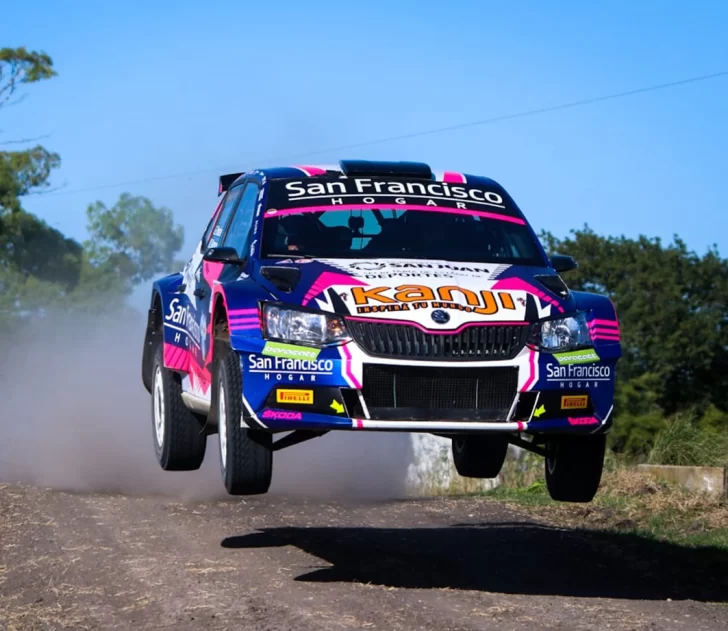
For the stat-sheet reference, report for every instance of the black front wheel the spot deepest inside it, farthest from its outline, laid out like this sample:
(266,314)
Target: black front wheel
(246,459)
(179,439)
(574,467)
(479,456)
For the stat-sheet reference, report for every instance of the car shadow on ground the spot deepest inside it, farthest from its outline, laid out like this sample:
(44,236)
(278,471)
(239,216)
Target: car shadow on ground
(514,557)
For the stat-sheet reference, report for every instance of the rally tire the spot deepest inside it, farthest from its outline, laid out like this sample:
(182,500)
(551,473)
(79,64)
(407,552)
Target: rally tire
(179,439)
(246,458)
(573,467)
(479,456)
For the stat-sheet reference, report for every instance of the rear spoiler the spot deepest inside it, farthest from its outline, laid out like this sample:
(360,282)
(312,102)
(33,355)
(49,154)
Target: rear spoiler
(226,181)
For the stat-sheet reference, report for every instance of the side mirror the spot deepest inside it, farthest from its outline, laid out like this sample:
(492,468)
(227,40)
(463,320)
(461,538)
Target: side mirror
(563,263)
(223,255)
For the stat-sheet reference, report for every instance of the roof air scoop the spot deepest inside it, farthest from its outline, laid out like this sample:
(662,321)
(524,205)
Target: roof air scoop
(418,170)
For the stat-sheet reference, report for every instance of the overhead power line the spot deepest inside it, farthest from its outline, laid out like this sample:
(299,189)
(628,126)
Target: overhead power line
(438,130)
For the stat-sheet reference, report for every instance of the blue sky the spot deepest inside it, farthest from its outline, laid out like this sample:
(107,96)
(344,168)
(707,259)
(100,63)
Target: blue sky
(153,89)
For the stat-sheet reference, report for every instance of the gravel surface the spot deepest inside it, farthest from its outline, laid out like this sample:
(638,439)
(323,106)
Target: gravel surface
(87,561)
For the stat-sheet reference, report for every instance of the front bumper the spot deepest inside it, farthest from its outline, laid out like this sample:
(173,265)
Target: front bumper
(343,388)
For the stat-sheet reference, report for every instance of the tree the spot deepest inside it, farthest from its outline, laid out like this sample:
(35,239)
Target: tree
(19,66)
(40,268)
(22,172)
(38,264)
(673,310)
(133,240)
(33,248)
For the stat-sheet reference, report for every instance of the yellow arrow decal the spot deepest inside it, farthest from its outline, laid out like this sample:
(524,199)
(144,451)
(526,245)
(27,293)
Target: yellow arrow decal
(337,407)
(539,411)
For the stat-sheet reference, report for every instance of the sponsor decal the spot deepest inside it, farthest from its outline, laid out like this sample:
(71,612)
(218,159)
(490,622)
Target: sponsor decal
(582,420)
(288,369)
(337,407)
(585,356)
(574,402)
(395,192)
(372,270)
(304,397)
(575,371)
(291,351)
(204,345)
(297,261)
(183,316)
(578,375)
(281,415)
(407,297)
(540,411)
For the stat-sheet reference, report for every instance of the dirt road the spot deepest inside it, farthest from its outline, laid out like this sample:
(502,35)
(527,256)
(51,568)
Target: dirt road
(112,561)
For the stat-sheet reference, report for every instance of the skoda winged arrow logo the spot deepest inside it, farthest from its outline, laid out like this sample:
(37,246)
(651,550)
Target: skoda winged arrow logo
(440,317)
(368,266)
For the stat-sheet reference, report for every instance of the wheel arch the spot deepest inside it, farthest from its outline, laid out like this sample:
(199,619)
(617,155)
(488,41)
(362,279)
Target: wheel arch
(220,324)
(602,308)
(220,337)
(152,335)
(601,305)
(162,290)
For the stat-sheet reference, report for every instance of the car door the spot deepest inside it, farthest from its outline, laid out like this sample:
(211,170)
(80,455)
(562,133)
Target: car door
(233,233)
(204,274)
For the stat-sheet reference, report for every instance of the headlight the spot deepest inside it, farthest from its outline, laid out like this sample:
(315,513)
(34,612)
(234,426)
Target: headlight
(305,327)
(561,334)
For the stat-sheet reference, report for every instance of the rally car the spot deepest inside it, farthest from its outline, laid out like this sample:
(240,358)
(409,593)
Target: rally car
(378,296)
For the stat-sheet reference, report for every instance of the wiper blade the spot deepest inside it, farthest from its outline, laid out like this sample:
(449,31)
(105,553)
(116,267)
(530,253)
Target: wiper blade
(290,256)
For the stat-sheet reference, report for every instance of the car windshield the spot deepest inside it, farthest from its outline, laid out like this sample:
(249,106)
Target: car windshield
(415,226)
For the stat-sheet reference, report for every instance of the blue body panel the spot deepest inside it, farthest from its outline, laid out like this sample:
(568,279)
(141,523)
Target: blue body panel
(320,392)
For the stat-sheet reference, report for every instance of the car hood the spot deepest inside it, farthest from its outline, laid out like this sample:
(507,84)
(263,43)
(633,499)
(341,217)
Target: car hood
(435,293)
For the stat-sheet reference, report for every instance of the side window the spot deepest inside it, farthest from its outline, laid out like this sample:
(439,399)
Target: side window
(231,201)
(237,234)
(211,223)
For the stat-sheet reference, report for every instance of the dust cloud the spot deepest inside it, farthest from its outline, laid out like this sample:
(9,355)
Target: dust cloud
(76,417)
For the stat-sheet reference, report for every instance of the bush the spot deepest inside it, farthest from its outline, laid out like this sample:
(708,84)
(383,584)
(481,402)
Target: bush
(634,435)
(684,442)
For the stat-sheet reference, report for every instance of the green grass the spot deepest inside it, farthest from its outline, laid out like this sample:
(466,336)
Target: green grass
(631,503)
(683,442)
(532,495)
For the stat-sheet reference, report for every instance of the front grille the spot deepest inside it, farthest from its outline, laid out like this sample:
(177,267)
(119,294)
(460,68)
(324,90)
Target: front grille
(406,341)
(430,393)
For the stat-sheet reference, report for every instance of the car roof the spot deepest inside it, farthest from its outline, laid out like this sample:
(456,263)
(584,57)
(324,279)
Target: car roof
(374,169)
